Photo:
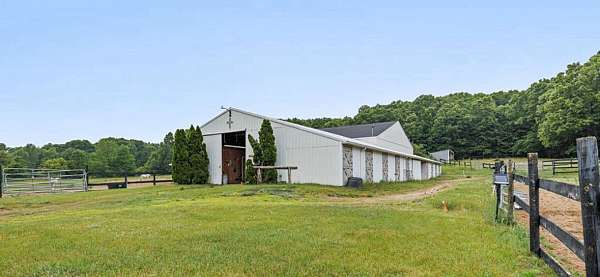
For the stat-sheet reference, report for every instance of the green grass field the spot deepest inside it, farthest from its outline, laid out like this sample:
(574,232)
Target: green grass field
(263,230)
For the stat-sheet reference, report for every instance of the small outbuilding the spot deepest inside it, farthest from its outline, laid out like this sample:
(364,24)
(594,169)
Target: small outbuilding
(377,152)
(443,156)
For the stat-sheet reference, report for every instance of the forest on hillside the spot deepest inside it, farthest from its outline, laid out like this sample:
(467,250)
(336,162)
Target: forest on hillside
(546,118)
(107,157)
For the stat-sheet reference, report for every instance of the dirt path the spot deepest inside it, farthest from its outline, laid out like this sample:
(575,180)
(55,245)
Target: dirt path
(407,196)
(566,213)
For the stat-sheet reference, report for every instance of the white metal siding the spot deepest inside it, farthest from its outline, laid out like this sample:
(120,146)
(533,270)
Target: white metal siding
(402,169)
(417,170)
(377,167)
(391,168)
(319,159)
(213,147)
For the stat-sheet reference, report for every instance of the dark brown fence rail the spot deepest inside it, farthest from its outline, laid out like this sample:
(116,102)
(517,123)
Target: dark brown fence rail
(561,165)
(587,193)
(464,163)
(126,182)
(489,165)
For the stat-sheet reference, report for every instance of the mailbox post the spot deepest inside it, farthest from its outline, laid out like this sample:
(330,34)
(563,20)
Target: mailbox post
(500,179)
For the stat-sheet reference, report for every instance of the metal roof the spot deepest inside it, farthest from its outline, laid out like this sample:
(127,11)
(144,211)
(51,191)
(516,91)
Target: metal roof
(360,131)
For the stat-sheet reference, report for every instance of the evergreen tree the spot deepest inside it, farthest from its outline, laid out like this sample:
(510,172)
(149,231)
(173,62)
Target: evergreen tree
(250,177)
(255,144)
(181,162)
(198,156)
(205,173)
(265,151)
(268,150)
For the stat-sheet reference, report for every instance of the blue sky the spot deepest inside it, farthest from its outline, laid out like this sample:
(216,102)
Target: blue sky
(92,69)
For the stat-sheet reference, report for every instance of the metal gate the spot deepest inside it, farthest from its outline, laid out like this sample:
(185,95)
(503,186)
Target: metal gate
(16,181)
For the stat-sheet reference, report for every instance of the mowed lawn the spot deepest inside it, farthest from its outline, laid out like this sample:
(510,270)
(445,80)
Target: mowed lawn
(262,230)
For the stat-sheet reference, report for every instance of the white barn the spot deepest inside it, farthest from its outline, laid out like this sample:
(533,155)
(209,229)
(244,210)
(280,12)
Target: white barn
(374,152)
(443,156)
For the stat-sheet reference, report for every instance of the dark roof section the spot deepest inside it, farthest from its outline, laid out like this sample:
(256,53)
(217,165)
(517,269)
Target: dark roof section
(360,131)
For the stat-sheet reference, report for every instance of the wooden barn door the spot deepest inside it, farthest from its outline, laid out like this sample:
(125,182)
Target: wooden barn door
(233,164)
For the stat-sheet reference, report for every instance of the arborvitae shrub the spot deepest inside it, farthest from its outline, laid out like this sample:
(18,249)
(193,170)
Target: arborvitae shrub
(181,158)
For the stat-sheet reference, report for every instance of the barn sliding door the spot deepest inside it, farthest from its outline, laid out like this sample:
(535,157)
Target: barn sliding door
(369,166)
(385,166)
(214,151)
(398,170)
(348,164)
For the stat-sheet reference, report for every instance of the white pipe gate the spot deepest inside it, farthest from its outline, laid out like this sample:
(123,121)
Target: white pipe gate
(16,181)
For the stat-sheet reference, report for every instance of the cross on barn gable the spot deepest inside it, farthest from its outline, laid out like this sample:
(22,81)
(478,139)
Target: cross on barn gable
(230,121)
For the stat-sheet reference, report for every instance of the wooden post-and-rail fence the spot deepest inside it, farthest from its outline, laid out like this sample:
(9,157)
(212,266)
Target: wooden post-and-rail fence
(561,165)
(587,193)
(126,182)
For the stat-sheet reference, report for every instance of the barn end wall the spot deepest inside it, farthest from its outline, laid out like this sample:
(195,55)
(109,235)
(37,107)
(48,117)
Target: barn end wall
(319,159)
(393,138)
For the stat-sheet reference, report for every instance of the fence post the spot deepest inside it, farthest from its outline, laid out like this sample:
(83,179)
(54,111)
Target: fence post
(87,178)
(589,180)
(126,182)
(553,167)
(259,176)
(1,181)
(511,197)
(534,204)
(498,189)
(154,178)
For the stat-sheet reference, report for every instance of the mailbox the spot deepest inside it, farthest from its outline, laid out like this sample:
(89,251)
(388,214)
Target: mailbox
(501,179)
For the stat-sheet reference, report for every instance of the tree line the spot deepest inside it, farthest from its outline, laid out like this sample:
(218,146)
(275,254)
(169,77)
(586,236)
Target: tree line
(107,157)
(546,117)
(184,155)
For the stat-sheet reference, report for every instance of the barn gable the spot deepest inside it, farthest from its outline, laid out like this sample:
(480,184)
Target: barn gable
(395,138)
(389,135)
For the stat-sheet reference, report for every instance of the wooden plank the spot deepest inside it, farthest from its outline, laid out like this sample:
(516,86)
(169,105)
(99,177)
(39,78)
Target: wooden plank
(130,182)
(589,180)
(552,263)
(106,184)
(567,190)
(563,189)
(275,167)
(565,237)
(534,204)
(522,203)
(521,179)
